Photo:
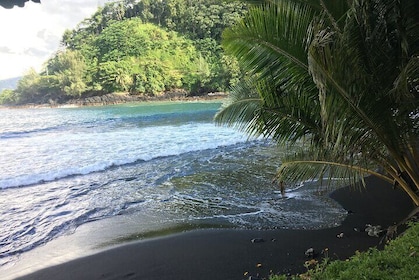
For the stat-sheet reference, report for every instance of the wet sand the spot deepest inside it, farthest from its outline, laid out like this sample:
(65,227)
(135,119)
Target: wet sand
(231,254)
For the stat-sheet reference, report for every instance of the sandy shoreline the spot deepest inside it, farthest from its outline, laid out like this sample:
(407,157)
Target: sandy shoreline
(230,254)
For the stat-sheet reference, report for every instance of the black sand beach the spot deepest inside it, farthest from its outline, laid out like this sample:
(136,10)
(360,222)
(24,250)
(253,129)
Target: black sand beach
(230,254)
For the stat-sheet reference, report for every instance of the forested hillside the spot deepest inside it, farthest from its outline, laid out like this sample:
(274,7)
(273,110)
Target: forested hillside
(143,47)
(8,83)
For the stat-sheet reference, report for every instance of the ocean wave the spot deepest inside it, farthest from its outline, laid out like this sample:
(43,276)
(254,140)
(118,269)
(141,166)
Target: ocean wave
(47,128)
(218,185)
(36,233)
(29,129)
(24,180)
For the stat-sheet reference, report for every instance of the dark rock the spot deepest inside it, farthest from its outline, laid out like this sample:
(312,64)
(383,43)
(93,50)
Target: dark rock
(257,240)
(310,252)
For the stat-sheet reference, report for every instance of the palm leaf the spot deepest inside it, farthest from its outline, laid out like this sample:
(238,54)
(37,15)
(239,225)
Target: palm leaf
(343,76)
(271,40)
(286,118)
(242,109)
(369,75)
(309,164)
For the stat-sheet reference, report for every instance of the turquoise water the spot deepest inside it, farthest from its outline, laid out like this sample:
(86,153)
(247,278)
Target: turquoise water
(155,165)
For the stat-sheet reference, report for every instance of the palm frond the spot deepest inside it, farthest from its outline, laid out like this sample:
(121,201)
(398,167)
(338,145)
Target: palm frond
(406,85)
(242,108)
(262,109)
(371,55)
(307,165)
(271,40)
(342,75)
(273,51)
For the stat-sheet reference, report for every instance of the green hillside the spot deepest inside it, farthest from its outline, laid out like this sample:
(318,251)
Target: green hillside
(143,47)
(8,83)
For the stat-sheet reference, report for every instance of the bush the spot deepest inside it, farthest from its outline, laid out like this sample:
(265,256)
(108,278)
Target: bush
(399,260)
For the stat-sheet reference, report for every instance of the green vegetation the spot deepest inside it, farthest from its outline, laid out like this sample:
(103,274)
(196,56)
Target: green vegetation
(399,260)
(143,47)
(340,79)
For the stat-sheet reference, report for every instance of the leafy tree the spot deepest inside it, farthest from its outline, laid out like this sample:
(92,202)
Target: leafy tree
(27,90)
(202,21)
(122,39)
(69,70)
(144,58)
(115,75)
(142,47)
(8,96)
(339,78)
(105,36)
(35,88)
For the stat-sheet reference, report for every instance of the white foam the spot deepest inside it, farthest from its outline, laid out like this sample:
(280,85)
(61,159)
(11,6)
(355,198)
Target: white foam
(51,157)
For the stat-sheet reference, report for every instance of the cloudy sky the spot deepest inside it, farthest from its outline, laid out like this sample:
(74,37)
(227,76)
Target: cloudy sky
(30,35)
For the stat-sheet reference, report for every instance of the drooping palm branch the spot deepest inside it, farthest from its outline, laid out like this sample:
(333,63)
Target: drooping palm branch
(343,74)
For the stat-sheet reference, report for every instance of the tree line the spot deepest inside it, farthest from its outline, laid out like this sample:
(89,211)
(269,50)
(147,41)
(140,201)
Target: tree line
(143,47)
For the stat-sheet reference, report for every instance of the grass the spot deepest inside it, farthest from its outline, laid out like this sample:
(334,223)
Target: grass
(398,260)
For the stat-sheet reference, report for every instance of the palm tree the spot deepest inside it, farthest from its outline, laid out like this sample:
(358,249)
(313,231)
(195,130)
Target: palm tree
(340,78)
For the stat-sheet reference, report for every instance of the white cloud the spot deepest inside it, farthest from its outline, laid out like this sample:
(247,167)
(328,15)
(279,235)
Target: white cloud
(30,35)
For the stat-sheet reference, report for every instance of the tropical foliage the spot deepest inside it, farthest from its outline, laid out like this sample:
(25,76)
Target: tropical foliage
(139,46)
(338,78)
(398,260)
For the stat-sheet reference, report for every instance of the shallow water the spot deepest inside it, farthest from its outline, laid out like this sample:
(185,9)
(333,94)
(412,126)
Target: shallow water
(150,167)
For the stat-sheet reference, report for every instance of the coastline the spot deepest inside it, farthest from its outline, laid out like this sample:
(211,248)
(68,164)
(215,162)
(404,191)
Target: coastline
(230,254)
(122,98)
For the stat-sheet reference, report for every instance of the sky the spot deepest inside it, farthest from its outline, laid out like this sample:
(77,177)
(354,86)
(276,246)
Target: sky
(32,34)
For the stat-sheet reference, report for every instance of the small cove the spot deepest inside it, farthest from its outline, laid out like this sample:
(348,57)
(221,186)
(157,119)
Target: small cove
(139,170)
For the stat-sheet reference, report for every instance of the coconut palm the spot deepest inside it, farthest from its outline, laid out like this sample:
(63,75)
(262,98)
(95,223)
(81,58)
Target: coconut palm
(338,78)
